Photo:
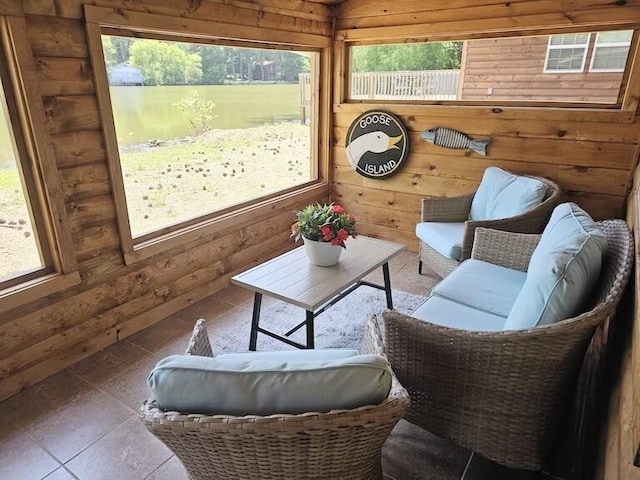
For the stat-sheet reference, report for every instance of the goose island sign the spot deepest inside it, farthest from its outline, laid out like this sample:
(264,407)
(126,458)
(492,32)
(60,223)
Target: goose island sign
(377,144)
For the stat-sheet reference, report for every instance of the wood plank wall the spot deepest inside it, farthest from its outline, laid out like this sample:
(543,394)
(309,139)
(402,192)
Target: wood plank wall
(114,301)
(590,154)
(621,435)
(509,68)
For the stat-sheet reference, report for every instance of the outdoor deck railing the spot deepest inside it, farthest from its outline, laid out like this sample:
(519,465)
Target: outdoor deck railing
(408,85)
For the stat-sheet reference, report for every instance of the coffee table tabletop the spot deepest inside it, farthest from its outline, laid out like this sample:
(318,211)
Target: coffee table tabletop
(290,277)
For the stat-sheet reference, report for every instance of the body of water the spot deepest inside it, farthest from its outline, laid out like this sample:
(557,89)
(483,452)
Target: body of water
(146,113)
(149,113)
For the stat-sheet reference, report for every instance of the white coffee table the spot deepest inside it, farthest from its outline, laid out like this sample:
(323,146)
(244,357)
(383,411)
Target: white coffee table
(291,278)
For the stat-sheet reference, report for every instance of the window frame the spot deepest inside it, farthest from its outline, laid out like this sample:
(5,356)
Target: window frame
(101,21)
(551,47)
(614,44)
(39,170)
(621,111)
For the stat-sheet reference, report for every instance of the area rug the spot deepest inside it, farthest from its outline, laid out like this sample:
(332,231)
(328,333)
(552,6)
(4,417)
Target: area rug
(340,326)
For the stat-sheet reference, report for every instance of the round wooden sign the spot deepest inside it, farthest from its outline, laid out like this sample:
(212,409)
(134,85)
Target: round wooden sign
(377,144)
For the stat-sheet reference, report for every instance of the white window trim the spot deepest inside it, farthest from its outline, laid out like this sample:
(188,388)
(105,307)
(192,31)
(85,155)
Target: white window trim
(613,44)
(564,47)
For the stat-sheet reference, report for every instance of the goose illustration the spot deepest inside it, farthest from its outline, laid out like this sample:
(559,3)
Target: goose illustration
(376,142)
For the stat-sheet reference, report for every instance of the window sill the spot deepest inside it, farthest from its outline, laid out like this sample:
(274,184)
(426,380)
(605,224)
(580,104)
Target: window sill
(209,229)
(30,291)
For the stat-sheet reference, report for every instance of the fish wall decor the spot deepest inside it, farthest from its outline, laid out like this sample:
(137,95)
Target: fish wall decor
(449,138)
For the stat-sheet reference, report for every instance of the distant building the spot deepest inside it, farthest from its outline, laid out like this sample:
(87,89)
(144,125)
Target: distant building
(265,70)
(125,74)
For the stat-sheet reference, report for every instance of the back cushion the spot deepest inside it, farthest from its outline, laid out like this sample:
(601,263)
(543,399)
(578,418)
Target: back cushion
(563,270)
(264,386)
(502,194)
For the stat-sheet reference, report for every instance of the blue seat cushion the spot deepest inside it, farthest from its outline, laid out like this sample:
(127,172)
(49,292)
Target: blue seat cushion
(447,313)
(445,238)
(563,269)
(482,285)
(265,385)
(502,195)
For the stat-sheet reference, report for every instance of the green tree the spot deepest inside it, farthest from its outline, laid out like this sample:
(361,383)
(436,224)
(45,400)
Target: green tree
(214,62)
(109,51)
(164,63)
(291,64)
(408,56)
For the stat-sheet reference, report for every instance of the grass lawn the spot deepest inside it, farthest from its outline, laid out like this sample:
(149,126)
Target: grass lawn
(170,182)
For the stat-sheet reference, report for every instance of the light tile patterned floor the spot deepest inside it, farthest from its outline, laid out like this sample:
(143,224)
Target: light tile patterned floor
(82,423)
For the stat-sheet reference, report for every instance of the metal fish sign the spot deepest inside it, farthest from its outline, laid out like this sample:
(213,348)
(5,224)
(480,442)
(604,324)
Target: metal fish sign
(448,138)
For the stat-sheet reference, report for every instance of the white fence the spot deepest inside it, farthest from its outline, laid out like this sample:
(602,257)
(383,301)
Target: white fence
(409,85)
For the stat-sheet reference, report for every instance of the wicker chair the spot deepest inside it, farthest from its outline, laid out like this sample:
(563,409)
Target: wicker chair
(502,394)
(456,209)
(344,444)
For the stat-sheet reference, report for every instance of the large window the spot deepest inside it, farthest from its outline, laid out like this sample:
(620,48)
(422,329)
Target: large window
(36,256)
(610,51)
(574,68)
(204,129)
(566,53)
(22,245)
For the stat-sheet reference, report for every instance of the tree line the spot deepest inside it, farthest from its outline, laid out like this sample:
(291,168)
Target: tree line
(407,56)
(177,63)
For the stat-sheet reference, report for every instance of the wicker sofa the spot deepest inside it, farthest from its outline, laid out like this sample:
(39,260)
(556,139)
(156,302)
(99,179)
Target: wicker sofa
(456,211)
(344,444)
(501,393)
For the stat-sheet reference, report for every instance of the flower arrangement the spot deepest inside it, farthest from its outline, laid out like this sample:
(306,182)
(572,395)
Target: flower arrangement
(324,223)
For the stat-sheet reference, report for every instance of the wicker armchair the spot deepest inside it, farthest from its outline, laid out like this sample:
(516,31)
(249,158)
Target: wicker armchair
(501,394)
(456,209)
(344,444)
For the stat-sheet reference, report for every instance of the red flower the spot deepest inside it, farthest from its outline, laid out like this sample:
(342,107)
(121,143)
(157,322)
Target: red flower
(342,235)
(335,242)
(327,233)
(337,209)
(352,218)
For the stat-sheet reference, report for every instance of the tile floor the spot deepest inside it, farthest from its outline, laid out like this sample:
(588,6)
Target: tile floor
(82,422)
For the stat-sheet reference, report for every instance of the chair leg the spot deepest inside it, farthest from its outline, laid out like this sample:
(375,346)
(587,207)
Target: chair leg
(419,267)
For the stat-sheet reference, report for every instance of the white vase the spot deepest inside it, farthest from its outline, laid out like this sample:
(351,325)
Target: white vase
(322,254)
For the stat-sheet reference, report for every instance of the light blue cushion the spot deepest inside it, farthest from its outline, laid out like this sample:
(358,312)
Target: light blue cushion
(321,354)
(563,270)
(444,238)
(188,383)
(447,313)
(482,285)
(502,195)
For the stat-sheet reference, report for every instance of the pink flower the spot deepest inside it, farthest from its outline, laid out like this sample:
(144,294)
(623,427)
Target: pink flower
(337,209)
(294,228)
(352,218)
(336,242)
(342,235)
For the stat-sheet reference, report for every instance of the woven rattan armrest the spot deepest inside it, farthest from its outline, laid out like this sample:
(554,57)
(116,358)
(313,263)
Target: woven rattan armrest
(372,341)
(452,209)
(507,249)
(199,343)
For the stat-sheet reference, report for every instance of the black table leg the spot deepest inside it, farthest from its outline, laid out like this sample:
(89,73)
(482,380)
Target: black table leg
(310,341)
(255,320)
(387,285)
